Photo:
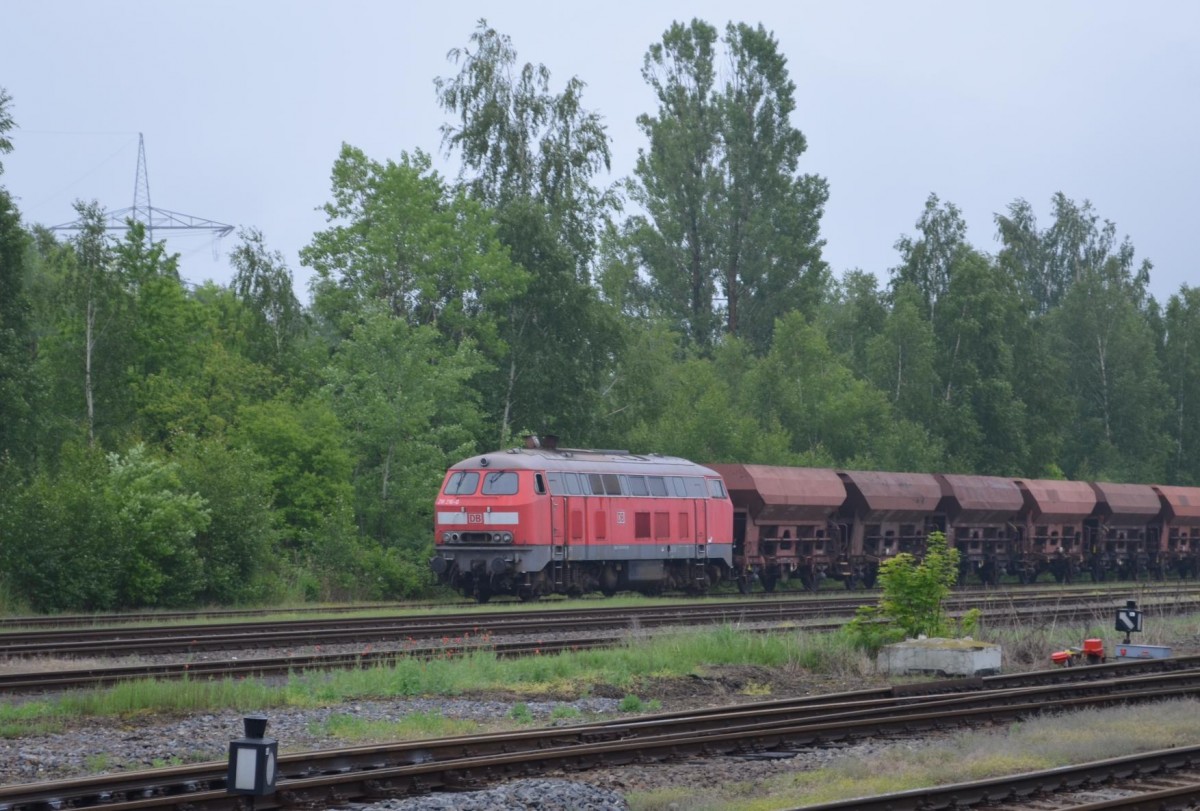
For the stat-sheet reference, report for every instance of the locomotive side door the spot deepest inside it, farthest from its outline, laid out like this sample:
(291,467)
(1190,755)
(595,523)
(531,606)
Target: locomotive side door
(560,529)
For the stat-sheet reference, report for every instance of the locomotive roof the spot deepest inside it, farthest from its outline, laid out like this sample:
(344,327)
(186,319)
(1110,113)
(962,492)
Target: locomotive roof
(579,460)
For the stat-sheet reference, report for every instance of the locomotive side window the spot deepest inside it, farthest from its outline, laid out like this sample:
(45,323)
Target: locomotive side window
(573,484)
(539,484)
(596,483)
(716,488)
(637,485)
(612,484)
(695,487)
(658,485)
(500,483)
(678,487)
(461,484)
(557,486)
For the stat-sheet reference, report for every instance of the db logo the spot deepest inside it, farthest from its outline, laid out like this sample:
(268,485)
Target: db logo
(474,518)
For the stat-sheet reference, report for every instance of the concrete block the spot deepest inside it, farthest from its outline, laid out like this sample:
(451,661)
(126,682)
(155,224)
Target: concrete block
(940,657)
(1123,651)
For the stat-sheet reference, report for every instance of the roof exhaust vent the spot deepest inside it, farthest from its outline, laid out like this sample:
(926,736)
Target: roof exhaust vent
(550,442)
(532,442)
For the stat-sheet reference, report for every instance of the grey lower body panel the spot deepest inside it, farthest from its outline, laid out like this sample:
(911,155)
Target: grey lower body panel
(534,558)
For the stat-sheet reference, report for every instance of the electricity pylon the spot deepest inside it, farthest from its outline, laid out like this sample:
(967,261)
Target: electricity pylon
(155,219)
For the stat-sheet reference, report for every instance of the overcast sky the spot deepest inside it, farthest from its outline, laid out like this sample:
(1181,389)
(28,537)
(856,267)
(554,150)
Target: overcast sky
(244,106)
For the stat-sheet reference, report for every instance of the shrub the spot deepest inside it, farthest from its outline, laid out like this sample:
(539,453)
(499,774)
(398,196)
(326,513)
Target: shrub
(913,599)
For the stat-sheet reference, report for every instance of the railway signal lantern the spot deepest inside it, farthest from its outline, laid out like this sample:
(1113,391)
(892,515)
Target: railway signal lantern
(252,760)
(1129,619)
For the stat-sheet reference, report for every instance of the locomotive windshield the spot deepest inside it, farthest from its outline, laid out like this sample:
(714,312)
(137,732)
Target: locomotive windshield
(461,484)
(500,483)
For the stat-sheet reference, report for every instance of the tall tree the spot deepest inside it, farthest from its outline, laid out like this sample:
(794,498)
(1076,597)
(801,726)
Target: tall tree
(725,210)
(1113,376)
(16,341)
(6,123)
(263,283)
(1181,370)
(1046,263)
(398,237)
(97,292)
(520,141)
(926,260)
(531,156)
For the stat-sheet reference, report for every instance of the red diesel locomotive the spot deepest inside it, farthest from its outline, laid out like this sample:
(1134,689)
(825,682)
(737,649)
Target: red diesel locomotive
(541,520)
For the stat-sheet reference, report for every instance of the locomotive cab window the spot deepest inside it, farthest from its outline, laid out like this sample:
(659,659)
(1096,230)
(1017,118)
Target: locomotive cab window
(539,484)
(716,488)
(558,487)
(461,484)
(500,483)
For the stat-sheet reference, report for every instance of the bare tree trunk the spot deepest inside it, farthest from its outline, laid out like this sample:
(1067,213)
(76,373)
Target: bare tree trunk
(89,343)
(1104,406)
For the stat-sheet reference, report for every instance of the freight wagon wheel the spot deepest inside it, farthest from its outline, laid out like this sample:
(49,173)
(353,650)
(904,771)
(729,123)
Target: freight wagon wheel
(770,580)
(744,584)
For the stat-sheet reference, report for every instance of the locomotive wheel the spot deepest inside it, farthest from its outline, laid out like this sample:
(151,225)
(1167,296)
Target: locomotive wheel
(482,595)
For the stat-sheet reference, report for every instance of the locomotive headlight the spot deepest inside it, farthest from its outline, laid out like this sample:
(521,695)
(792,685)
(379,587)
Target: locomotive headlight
(496,537)
(445,537)
(453,537)
(508,537)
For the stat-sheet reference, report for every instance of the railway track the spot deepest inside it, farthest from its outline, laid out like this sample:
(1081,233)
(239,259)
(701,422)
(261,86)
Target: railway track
(356,774)
(515,634)
(183,639)
(1163,780)
(1176,589)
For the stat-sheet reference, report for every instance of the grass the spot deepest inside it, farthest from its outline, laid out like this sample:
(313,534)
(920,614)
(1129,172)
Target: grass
(628,667)
(414,726)
(1046,742)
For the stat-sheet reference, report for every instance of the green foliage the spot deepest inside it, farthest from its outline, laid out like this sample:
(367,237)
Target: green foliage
(17,383)
(404,398)
(727,215)
(237,546)
(520,713)
(400,239)
(913,596)
(106,531)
